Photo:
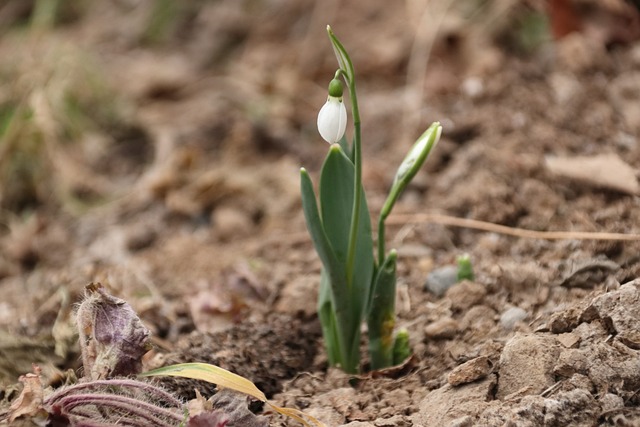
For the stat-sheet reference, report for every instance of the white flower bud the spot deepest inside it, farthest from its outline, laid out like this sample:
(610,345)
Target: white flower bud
(332,120)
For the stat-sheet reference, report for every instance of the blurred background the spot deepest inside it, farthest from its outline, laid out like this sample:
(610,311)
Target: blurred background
(97,96)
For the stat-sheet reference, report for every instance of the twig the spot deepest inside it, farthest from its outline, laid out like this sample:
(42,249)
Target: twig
(509,231)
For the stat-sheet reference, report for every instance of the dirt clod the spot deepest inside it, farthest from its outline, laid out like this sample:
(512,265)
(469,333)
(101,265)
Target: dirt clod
(470,371)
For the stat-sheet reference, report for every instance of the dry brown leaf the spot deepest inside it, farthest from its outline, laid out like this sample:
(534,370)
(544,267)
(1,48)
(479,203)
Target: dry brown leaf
(603,170)
(30,400)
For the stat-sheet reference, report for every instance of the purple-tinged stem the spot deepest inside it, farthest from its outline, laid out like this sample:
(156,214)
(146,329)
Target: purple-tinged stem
(124,383)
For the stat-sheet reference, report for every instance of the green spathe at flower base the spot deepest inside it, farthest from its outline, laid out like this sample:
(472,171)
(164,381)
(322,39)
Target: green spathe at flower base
(353,286)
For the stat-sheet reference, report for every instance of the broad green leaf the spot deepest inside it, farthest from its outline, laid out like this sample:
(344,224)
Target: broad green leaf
(335,269)
(381,314)
(336,204)
(326,313)
(344,144)
(345,318)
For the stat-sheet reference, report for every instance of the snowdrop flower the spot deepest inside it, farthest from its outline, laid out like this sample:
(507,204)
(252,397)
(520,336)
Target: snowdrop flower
(332,118)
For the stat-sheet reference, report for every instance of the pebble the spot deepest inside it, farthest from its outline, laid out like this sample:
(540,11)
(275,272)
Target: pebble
(442,328)
(527,365)
(441,279)
(465,295)
(229,222)
(611,402)
(470,371)
(511,317)
(568,340)
(480,319)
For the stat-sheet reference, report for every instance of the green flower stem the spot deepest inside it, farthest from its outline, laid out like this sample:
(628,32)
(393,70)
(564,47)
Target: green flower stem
(357,159)
(346,70)
(381,239)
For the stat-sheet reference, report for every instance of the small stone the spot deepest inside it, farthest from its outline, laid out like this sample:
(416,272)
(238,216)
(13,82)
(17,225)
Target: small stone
(442,329)
(441,279)
(511,317)
(526,365)
(568,340)
(565,87)
(465,421)
(465,295)
(294,296)
(394,421)
(141,238)
(618,311)
(449,404)
(624,94)
(480,319)
(470,371)
(229,222)
(569,362)
(611,402)
(473,87)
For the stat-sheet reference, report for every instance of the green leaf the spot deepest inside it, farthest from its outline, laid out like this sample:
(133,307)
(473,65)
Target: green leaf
(326,313)
(344,144)
(335,269)
(345,318)
(341,54)
(381,314)
(336,204)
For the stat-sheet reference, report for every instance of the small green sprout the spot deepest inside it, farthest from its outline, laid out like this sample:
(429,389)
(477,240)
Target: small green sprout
(465,268)
(355,286)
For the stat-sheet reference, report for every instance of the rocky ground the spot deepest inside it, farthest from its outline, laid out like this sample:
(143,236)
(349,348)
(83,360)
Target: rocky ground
(155,149)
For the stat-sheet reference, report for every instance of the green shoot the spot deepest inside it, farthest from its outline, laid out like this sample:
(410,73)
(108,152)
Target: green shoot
(354,285)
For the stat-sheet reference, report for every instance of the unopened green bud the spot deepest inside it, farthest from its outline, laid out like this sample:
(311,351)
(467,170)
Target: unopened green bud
(411,165)
(418,154)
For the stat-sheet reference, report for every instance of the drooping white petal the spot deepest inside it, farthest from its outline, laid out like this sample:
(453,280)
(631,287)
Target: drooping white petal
(332,120)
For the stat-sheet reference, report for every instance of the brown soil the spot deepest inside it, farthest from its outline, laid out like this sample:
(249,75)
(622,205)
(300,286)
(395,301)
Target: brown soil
(185,203)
